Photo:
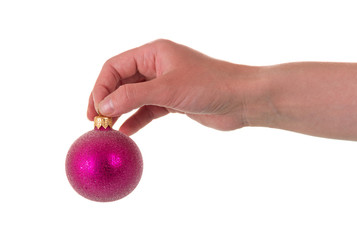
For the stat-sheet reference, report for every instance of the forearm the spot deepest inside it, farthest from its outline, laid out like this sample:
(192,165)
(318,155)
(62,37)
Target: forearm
(160,77)
(313,98)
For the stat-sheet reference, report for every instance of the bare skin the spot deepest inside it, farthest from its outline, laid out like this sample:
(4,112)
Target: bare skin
(160,77)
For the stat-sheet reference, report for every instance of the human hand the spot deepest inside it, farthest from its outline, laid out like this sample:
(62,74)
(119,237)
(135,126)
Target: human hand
(162,77)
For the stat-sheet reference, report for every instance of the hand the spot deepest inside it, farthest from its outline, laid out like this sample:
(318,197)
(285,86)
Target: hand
(162,77)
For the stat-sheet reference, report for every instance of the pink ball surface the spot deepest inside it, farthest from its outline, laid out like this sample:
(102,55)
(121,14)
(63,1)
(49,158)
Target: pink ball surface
(104,165)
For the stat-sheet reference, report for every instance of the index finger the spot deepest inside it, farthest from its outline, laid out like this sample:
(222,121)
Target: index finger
(132,66)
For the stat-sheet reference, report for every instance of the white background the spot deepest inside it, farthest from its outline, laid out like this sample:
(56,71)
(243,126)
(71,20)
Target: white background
(198,183)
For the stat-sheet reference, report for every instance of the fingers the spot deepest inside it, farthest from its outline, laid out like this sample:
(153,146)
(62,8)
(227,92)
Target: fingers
(133,66)
(100,92)
(141,118)
(91,113)
(131,96)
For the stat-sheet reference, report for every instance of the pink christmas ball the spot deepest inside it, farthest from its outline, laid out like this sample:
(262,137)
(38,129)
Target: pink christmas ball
(104,165)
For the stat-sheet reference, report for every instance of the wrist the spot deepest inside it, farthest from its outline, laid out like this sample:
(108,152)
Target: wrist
(258,107)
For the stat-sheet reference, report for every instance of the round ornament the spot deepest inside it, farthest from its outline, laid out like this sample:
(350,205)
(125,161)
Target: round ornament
(104,164)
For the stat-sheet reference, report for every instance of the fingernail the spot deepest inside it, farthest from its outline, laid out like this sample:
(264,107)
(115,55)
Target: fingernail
(106,106)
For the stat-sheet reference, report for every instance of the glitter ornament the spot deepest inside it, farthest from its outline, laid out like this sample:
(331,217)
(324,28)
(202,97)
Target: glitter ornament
(104,164)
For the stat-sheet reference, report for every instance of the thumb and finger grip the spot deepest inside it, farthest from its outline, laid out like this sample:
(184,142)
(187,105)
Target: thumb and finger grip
(132,96)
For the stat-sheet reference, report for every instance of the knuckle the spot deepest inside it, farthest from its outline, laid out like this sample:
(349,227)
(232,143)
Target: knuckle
(162,42)
(108,67)
(107,64)
(127,93)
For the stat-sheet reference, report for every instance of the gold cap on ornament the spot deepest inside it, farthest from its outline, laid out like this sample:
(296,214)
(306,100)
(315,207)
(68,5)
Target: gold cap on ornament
(101,121)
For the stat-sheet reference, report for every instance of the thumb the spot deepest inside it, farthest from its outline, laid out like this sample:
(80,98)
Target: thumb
(132,96)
